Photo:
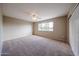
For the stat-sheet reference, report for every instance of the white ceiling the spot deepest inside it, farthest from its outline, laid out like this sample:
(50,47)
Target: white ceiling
(44,10)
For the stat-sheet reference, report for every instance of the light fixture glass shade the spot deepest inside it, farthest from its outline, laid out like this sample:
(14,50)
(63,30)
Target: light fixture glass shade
(34,18)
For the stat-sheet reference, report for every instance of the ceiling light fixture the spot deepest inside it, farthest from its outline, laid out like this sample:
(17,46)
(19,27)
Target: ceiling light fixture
(34,16)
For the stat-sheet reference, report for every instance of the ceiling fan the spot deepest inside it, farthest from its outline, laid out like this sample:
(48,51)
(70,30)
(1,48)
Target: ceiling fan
(34,16)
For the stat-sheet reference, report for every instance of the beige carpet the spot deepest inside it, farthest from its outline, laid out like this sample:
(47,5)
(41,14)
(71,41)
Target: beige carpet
(35,46)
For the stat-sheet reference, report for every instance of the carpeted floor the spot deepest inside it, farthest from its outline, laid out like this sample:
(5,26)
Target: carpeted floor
(35,46)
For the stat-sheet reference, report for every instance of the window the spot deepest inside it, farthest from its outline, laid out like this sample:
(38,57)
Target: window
(46,26)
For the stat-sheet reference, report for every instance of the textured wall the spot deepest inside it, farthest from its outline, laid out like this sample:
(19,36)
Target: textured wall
(15,28)
(59,32)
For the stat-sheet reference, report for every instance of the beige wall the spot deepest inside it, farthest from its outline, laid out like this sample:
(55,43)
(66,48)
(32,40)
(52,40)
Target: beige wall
(15,28)
(59,32)
(71,11)
(1,30)
(74,31)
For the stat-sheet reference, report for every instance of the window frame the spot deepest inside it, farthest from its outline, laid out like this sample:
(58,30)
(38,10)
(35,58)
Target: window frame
(46,30)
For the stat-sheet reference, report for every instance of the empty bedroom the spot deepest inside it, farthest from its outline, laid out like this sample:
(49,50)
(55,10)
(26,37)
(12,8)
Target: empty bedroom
(39,29)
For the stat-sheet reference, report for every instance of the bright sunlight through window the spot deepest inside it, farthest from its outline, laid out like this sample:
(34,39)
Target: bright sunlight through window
(46,26)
